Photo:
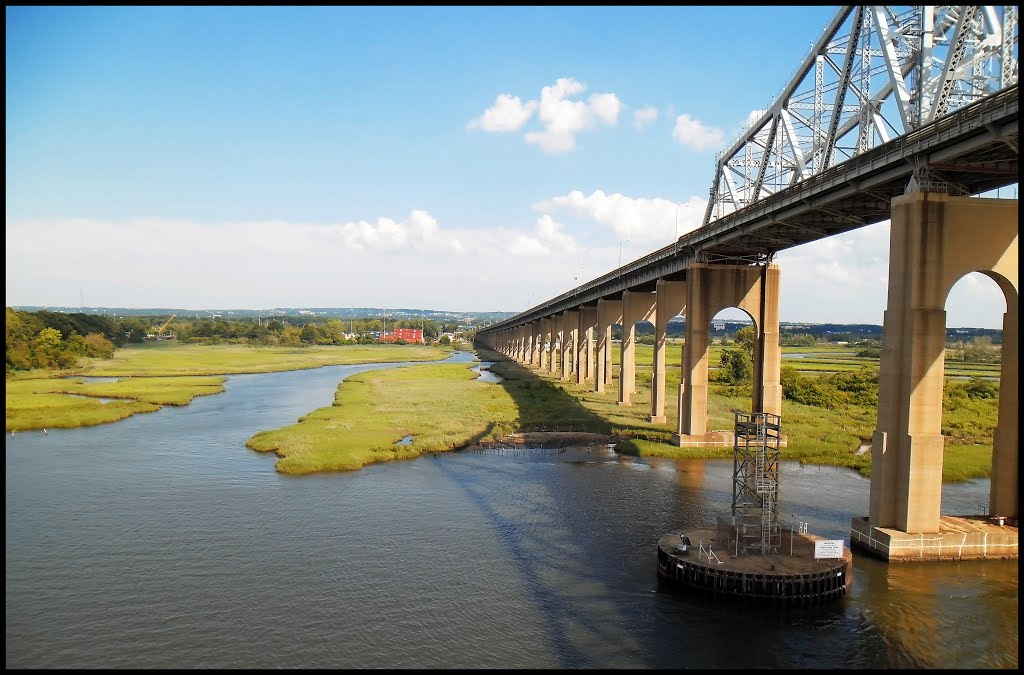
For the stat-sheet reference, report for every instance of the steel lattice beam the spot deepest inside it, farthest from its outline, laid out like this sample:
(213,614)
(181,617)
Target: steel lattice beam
(900,68)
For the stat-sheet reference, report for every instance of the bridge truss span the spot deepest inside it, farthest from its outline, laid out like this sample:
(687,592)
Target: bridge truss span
(875,74)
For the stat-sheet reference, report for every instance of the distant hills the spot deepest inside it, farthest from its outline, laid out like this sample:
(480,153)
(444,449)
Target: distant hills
(475,318)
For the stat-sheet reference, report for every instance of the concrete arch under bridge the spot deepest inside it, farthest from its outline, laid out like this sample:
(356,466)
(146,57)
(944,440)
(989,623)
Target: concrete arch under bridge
(935,240)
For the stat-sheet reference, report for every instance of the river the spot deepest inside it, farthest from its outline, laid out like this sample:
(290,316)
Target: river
(161,541)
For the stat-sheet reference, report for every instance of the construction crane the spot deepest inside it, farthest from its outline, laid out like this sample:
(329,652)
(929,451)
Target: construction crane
(159,334)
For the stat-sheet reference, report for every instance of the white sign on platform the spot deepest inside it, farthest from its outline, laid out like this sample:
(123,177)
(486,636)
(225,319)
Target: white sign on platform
(828,548)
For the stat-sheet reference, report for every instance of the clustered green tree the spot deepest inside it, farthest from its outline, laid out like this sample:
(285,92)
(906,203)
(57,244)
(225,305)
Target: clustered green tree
(738,361)
(978,349)
(53,340)
(791,339)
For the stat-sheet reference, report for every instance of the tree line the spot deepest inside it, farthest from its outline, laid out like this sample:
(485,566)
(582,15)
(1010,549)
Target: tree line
(45,339)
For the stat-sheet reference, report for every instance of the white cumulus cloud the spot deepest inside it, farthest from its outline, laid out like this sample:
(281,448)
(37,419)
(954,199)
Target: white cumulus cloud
(693,133)
(561,114)
(508,113)
(419,232)
(549,237)
(641,220)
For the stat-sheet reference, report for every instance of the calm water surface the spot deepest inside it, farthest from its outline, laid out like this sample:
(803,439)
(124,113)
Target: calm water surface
(161,541)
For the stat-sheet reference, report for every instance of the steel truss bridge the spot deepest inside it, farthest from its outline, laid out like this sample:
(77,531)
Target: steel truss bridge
(889,99)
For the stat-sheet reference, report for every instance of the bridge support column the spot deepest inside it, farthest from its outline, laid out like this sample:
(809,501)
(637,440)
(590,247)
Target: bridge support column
(552,339)
(711,288)
(671,301)
(767,389)
(570,326)
(589,343)
(538,343)
(934,241)
(570,364)
(635,307)
(1005,497)
(545,344)
(609,313)
(588,317)
(556,342)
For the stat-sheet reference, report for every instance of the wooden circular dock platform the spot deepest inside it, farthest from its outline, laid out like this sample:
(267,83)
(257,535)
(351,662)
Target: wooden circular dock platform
(791,576)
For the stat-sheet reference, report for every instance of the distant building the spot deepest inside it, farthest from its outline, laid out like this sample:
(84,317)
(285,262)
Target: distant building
(407,334)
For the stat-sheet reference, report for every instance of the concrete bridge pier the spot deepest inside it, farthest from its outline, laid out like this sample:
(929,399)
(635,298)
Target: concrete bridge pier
(584,346)
(557,340)
(538,343)
(546,343)
(609,313)
(570,324)
(635,307)
(934,241)
(710,289)
(670,302)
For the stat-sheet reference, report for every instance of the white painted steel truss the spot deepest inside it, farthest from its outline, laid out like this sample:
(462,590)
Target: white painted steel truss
(876,73)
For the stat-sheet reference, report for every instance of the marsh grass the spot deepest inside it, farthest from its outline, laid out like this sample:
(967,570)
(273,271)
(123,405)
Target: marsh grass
(445,407)
(41,404)
(166,373)
(825,436)
(166,358)
(441,406)
(156,390)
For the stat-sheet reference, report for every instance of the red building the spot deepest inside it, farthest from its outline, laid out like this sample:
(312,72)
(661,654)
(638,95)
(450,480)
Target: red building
(407,334)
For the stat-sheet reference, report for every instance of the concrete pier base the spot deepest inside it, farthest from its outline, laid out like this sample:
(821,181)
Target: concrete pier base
(790,576)
(711,439)
(958,538)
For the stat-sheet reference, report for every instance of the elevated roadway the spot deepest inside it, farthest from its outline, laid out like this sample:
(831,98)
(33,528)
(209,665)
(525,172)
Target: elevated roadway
(970,151)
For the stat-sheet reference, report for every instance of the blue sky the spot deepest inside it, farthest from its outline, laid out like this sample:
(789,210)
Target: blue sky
(463,159)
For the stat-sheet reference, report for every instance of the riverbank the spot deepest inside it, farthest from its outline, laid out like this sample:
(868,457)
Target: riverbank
(386,416)
(828,436)
(143,378)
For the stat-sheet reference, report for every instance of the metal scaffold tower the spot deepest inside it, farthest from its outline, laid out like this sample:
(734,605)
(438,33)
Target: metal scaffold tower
(755,483)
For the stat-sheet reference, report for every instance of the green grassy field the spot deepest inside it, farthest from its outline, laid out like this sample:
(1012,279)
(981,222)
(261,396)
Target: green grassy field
(820,359)
(440,406)
(814,435)
(167,373)
(444,406)
(163,358)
